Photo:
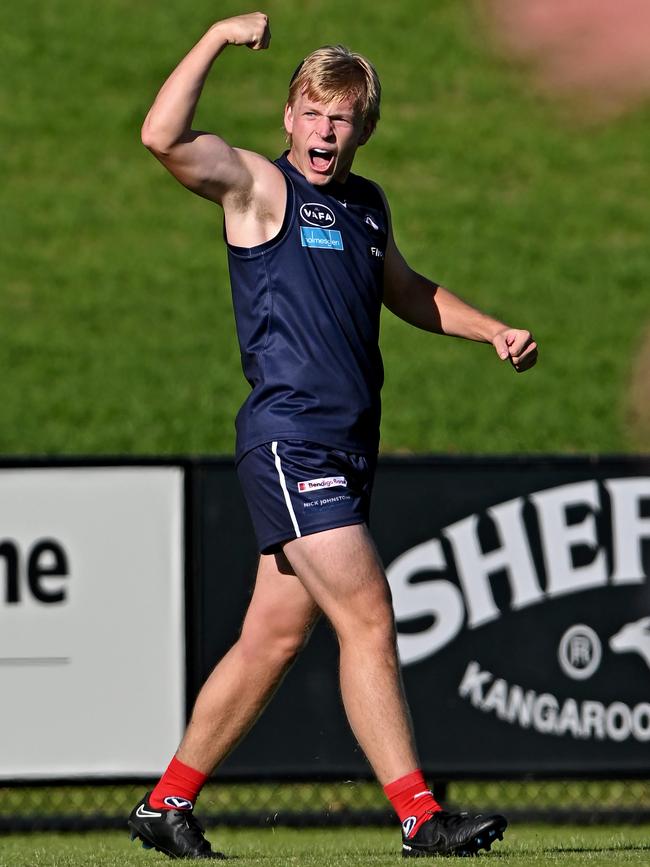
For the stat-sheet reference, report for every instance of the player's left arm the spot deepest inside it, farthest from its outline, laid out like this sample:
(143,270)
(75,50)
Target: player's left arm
(427,305)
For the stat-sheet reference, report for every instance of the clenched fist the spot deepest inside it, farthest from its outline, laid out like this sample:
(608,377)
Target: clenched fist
(517,345)
(252,30)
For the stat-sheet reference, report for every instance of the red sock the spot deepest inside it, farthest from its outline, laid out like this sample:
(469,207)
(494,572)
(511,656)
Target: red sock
(411,800)
(178,788)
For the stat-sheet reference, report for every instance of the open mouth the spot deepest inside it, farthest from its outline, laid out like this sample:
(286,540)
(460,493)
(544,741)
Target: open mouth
(321,160)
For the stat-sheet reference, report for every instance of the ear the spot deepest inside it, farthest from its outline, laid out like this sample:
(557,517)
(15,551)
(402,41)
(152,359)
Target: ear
(368,130)
(288,119)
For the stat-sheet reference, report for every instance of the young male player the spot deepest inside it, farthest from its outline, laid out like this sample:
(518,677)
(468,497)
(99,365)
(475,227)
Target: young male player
(312,257)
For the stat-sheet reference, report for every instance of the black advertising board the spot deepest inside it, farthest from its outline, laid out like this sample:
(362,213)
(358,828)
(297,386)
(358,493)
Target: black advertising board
(521,597)
(520,590)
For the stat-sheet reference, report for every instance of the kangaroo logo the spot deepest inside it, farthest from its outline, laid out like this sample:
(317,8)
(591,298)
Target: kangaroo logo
(633,637)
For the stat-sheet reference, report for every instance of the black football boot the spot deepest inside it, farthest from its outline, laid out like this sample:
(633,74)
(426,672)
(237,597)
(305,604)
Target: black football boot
(176,833)
(452,834)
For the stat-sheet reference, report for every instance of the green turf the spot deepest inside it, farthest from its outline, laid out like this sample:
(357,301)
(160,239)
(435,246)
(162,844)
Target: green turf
(116,333)
(523,845)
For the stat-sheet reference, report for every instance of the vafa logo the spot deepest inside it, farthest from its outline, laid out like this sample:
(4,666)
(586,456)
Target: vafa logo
(317,215)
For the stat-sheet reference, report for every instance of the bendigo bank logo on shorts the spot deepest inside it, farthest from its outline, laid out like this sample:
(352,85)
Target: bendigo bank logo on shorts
(319,484)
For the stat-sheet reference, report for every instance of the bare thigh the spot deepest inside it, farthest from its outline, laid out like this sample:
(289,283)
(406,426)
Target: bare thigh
(342,572)
(282,612)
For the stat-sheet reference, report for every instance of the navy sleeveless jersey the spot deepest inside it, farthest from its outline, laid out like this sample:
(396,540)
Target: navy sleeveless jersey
(307,307)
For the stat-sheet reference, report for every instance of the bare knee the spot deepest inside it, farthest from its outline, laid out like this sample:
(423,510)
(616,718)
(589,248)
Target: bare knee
(371,622)
(277,644)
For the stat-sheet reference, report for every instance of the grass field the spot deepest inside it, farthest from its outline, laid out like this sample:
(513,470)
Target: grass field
(116,334)
(525,845)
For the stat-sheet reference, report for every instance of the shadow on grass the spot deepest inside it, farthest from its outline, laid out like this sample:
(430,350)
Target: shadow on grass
(571,850)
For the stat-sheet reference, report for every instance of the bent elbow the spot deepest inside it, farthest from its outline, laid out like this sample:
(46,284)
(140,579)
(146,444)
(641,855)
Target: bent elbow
(146,136)
(152,140)
(151,143)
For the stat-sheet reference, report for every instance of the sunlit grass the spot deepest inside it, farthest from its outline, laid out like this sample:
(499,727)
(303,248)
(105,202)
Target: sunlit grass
(282,847)
(116,331)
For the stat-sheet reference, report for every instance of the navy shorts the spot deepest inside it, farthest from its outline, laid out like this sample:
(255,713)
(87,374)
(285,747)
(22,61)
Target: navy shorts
(294,488)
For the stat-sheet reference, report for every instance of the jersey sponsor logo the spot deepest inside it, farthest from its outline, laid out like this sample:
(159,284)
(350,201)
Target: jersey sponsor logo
(178,803)
(321,239)
(319,484)
(317,215)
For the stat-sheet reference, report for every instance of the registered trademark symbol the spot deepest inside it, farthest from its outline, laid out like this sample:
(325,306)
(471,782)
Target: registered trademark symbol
(580,652)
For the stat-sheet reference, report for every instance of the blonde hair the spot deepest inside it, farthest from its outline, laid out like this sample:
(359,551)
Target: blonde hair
(334,73)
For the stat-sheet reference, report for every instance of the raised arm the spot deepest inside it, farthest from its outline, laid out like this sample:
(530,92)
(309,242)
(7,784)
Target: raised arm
(202,161)
(425,304)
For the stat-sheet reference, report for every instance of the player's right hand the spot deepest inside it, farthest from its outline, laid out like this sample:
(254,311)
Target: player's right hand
(251,30)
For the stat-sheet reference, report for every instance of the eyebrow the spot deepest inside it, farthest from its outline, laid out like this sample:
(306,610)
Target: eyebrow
(345,114)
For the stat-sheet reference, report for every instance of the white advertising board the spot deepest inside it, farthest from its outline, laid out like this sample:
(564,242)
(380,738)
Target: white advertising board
(92,662)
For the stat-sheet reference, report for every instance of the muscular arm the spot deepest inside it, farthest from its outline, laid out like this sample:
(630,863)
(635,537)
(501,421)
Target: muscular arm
(425,304)
(202,161)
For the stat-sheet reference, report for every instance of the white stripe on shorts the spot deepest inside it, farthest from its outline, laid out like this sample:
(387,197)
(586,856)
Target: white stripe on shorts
(283,485)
